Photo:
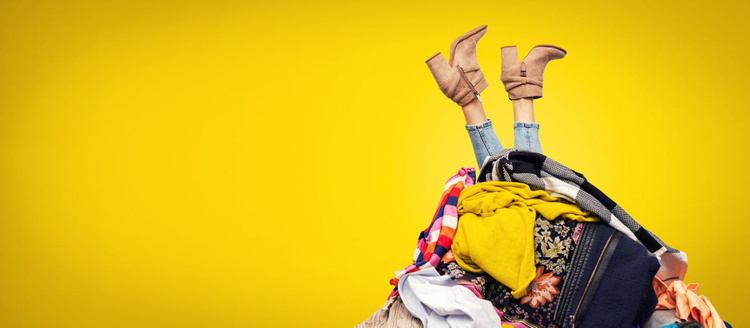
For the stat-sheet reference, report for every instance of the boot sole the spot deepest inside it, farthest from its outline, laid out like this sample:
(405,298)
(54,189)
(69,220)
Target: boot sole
(541,46)
(550,46)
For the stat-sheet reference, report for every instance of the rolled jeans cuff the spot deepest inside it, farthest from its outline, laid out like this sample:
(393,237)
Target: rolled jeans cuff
(526,136)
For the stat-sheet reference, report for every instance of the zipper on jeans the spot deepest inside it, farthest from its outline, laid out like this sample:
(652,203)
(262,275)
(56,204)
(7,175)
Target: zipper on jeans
(466,79)
(597,274)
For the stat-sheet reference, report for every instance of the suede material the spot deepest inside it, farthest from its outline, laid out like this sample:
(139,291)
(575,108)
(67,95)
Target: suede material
(529,84)
(463,57)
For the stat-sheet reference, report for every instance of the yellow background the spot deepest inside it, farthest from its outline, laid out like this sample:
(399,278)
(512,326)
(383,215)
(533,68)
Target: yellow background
(235,164)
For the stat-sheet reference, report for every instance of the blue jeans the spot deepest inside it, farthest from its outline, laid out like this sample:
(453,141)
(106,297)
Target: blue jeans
(485,142)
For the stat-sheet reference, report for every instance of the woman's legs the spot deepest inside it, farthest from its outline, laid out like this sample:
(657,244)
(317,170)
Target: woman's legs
(525,129)
(483,137)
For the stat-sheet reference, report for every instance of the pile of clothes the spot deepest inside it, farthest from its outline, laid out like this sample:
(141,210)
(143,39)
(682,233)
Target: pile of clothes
(528,242)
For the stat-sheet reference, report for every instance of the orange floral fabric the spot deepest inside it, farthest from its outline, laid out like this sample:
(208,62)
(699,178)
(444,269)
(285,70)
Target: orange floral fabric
(686,302)
(542,289)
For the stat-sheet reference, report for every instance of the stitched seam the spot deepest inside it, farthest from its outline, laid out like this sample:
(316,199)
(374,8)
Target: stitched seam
(484,140)
(528,140)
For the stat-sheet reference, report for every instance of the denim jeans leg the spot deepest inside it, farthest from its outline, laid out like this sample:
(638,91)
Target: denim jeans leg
(526,136)
(484,141)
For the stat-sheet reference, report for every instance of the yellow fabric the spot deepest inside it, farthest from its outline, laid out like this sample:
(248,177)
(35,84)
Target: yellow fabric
(495,231)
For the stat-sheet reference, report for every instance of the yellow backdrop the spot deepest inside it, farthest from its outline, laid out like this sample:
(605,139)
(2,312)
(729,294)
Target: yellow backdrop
(235,164)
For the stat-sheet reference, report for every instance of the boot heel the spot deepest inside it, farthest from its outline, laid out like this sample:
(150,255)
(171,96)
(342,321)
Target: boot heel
(508,57)
(440,70)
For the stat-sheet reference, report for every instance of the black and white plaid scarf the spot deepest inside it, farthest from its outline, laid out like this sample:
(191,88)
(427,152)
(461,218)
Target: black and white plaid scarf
(542,172)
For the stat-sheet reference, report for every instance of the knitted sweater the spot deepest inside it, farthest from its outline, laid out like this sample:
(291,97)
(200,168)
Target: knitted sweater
(544,173)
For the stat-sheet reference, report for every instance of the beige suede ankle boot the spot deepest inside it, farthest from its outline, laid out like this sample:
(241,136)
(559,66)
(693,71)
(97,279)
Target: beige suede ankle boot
(460,79)
(524,79)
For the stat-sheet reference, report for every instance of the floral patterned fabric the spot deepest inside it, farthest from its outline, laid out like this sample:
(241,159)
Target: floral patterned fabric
(554,243)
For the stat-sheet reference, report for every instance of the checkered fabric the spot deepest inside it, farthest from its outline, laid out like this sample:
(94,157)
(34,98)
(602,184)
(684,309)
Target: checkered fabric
(542,172)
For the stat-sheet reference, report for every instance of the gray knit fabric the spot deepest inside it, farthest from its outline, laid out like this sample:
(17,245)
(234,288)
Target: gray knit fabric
(539,171)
